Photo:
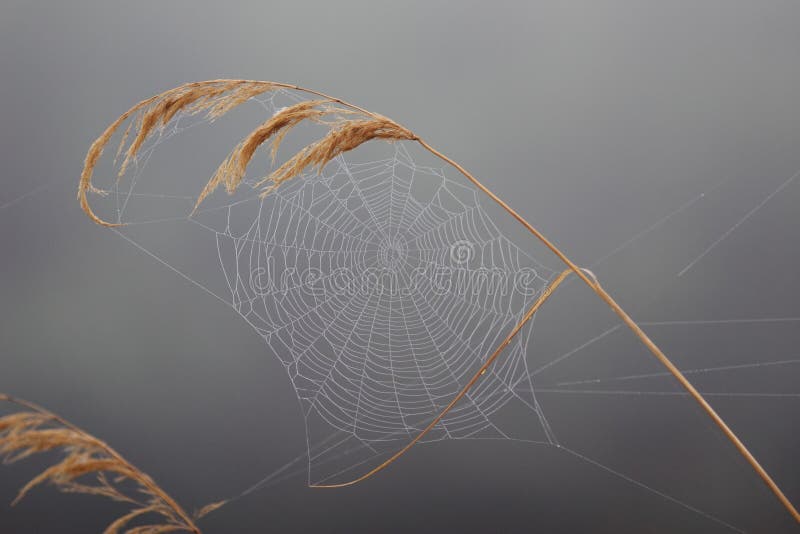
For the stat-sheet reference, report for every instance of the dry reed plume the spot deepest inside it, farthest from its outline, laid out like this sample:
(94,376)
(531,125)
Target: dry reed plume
(232,170)
(90,466)
(216,98)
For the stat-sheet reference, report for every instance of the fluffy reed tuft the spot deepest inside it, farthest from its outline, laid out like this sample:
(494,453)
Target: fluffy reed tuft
(345,135)
(232,170)
(91,467)
(216,98)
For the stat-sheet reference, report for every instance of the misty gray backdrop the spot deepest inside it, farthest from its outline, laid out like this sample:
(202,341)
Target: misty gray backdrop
(595,120)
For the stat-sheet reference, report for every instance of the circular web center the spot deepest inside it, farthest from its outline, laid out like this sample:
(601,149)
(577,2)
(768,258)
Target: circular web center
(392,252)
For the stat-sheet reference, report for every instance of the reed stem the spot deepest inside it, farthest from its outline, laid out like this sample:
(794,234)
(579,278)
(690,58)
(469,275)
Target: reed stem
(587,277)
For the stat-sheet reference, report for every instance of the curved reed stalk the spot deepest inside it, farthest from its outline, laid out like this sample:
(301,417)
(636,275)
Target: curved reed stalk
(36,430)
(472,381)
(219,96)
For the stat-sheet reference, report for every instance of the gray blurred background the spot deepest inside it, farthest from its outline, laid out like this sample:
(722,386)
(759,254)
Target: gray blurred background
(596,120)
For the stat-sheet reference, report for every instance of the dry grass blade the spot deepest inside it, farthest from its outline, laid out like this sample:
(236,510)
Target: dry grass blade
(343,137)
(37,430)
(207,509)
(116,526)
(233,169)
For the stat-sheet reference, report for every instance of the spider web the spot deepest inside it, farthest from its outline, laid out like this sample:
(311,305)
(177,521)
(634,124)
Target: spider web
(402,300)
(381,284)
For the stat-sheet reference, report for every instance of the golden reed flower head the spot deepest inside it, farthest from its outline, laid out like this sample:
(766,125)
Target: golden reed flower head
(90,466)
(349,127)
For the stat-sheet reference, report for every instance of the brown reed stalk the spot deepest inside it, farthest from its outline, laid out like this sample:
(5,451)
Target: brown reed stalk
(343,136)
(90,466)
